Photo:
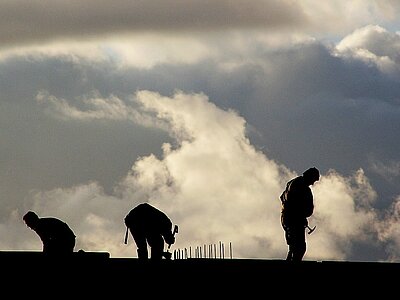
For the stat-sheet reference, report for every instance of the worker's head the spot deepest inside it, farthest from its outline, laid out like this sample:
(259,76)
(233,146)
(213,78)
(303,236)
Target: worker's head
(311,175)
(31,219)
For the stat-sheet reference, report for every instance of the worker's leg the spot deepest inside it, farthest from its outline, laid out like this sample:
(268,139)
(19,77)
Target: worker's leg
(156,243)
(298,243)
(141,244)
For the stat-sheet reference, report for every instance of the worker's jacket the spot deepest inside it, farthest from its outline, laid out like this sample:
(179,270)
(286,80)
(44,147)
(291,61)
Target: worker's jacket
(297,203)
(147,219)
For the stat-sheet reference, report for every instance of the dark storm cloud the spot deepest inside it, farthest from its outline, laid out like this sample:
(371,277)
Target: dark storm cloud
(24,22)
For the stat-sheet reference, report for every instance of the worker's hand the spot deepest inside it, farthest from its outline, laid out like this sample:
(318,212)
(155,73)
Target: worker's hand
(170,239)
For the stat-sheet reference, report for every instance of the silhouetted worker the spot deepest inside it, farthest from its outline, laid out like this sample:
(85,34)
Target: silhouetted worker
(297,205)
(57,237)
(149,226)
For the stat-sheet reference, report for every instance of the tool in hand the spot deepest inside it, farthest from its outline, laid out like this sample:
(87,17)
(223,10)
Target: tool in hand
(168,254)
(310,230)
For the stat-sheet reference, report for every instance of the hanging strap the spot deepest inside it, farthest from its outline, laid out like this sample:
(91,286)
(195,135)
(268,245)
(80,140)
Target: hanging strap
(126,236)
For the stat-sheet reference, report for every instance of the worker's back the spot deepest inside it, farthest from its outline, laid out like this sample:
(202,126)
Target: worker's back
(148,218)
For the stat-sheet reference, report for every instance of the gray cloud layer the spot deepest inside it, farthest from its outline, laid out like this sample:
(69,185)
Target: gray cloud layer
(38,21)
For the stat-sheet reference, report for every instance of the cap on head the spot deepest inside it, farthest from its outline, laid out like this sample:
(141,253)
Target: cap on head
(312,174)
(30,217)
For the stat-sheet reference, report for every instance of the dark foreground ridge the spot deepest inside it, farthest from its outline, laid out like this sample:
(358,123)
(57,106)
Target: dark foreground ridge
(96,273)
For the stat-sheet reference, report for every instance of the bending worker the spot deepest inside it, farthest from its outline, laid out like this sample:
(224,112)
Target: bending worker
(56,236)
(149,226)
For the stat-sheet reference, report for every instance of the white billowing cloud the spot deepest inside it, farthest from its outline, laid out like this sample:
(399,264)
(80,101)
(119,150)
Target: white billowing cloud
(210,175)
(215,175)
(375,45)
(389,231)
(215,186)
(343,214)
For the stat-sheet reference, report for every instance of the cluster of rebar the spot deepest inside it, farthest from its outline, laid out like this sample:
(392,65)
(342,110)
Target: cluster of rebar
(204,251)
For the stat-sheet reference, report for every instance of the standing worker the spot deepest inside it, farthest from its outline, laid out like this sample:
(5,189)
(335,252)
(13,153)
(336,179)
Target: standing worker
(297,205)
(56,236)
(149,225)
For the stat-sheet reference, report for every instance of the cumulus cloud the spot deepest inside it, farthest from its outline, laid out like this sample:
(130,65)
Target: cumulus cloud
(215,186)
(344,208)
(375,45)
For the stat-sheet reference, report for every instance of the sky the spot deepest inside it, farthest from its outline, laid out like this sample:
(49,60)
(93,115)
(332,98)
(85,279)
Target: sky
(204,109)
